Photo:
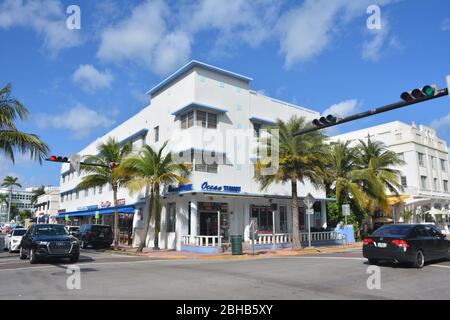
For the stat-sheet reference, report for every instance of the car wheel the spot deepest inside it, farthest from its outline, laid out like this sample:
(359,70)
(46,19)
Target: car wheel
(419,260)
(373,261)
(74,258)
(22,254)
(33,258)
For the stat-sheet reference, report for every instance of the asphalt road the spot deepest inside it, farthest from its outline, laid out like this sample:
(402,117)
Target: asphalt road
(105,275)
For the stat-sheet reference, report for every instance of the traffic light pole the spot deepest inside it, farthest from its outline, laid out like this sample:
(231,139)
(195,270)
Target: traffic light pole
(389,107)
(83,163)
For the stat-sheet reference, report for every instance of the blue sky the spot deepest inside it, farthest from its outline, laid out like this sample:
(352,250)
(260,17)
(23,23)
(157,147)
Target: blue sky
(78,84)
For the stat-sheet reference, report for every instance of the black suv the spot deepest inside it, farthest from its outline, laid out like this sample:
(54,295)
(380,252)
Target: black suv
(49,241)
(96,235)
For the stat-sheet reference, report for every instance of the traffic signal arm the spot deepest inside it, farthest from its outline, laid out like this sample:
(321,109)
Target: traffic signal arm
(389,107)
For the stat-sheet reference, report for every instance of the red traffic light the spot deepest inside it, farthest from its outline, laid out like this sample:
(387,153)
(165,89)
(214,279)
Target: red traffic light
(58,159)
(52,158)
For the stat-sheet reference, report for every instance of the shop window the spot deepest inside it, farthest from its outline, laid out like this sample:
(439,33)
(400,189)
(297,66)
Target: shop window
(283,219)
(171,217)
(263,214)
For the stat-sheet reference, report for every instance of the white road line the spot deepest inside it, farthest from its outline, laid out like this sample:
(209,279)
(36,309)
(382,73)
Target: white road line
(439,266)
(330,258)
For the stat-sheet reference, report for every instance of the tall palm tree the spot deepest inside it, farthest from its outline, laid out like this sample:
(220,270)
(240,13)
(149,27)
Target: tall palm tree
(377,173)
(11,138)
(342,162)
(301,159)
(10,182)
(151,170)
(36,193)
(109,152)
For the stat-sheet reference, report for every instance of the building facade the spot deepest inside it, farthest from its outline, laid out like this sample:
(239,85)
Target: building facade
(47,205)
(212,119)
(425,175)
(21,199)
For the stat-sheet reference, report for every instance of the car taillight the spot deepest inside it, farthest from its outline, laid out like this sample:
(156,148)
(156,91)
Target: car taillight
(368,241)
(400,243)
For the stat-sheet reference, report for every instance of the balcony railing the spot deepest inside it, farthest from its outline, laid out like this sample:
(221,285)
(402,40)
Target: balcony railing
(287,237)
(200,241)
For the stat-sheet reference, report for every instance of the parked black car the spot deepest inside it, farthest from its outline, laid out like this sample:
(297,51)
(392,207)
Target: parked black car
(48,241)
(96,235)
(406,243)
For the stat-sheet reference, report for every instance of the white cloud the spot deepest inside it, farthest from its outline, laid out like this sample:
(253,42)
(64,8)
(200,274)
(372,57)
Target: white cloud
(445,25)
(90,79)
(442,124)
(47,18)
(80,120)
(343,108)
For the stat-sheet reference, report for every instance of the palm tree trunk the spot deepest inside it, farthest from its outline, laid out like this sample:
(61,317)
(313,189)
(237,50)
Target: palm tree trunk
(157,219)
(147,223)
(9,204)
(296,245)
(116,219)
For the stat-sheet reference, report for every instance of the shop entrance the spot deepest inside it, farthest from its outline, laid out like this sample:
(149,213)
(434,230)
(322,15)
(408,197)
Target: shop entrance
(208,219)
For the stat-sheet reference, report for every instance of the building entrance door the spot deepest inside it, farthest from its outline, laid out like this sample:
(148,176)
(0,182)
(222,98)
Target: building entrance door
(208,219)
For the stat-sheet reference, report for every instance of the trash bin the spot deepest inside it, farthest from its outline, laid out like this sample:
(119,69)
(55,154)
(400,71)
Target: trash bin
(236,244)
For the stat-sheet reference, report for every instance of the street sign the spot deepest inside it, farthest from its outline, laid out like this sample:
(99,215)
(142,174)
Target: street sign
(97,215)
(309,201)
(75,164)
(310,211)
(346,209)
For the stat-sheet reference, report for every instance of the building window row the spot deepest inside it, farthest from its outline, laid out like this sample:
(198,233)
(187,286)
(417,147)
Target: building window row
(16,196)
(436,187)
(69,196)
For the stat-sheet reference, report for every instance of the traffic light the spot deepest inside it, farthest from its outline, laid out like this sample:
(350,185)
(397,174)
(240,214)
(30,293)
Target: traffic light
(58,159)
(426,92)
(326,121)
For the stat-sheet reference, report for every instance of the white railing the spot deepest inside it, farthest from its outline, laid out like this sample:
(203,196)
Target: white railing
(287,237)
(200,241)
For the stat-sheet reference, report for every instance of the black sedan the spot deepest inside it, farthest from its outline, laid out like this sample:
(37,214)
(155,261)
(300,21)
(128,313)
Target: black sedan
(49,241)
(406,243)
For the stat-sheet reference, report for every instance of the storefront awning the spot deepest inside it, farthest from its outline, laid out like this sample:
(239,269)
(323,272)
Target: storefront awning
(129,209)
(242,194)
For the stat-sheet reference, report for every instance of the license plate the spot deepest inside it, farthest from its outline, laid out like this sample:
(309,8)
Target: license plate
(382,245)
(101,235)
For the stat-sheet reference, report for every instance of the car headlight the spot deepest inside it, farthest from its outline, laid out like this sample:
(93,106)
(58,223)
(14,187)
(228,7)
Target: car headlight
(44,243)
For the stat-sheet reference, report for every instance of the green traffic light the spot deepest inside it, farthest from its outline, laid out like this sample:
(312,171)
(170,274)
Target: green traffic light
(428,91)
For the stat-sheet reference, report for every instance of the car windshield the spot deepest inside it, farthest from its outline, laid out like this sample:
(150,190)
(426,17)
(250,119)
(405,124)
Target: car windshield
(392,231)
(51,231)
(19,232)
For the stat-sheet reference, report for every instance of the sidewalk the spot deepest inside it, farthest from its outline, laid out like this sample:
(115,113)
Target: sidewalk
(247,254)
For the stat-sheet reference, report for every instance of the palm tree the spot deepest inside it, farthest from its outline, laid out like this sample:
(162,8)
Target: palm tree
(36,193)
(109,152)
(151,170)
(12,139)
(343,161)
(10,182)
(301,158)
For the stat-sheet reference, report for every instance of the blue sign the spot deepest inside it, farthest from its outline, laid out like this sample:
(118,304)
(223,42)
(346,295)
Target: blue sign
(207,187)
(185,187)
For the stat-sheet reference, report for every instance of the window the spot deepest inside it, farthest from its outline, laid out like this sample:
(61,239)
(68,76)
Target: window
(257,129)
(93,191)
(283,219)
(86,193)
(435,184)
(206,119)
(264,216)
(421,159)
(156,133)
(446,185)
(62,198)
(443,165)
(433,163)
(171,217)
(77,195)
(401,156)
(206,162)
(423,182)
(187,120)
(404,181)
(100,189)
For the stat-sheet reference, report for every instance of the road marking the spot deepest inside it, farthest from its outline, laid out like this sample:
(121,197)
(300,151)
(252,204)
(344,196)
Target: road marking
(330,258)
(439,266)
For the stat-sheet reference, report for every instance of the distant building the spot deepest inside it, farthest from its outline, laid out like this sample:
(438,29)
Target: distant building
(20,198)
(424,177)
(47,205)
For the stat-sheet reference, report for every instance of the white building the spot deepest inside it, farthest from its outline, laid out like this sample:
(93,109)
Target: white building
(199,109)
(425,176)
(20,198)
(47,205)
